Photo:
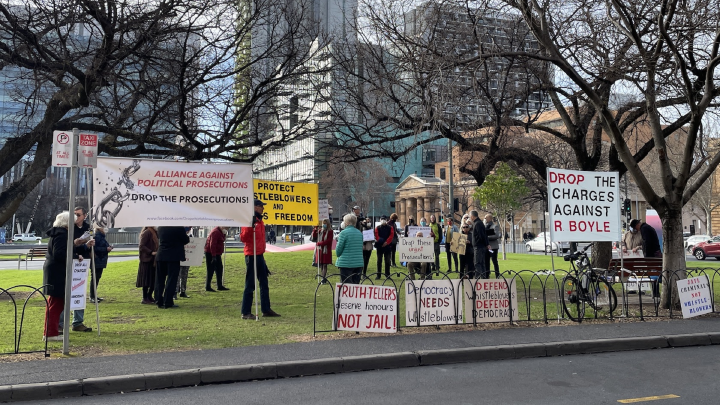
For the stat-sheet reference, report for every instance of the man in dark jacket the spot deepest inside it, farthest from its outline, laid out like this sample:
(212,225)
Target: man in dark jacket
(83,248)
(214,248)
(480,245)
(650,241)
(384,235)
(102,250)
(172,240)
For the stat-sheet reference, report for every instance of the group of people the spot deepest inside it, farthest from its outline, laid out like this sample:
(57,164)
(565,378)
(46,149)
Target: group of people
(641,236)
(353,251)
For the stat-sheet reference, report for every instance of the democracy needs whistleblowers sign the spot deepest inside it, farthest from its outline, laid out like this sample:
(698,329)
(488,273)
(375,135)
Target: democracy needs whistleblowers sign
(135,192)
(288,203)
(583,206)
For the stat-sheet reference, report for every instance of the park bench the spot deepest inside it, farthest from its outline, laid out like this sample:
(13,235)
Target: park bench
(637,268)
(38,252)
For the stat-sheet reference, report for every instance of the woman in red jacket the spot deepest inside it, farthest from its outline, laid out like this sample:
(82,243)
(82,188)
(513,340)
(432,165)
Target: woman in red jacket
(324,239)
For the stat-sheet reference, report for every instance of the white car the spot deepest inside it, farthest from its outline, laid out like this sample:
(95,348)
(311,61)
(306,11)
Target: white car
(694,240)
(539,244)
(26,237)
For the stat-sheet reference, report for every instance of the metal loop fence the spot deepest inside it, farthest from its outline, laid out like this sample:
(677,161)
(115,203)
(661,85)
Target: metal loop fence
(541,296)
(17,325)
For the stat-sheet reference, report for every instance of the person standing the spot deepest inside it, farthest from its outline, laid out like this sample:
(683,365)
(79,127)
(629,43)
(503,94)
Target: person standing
(480,245)
(393,244)
(492,230)
(184,273)
(450,229)
(467,264)
(254,239)
(384,234)
(54,274)
(102,250)
(214,249)
(362,224)
(82,249)
(436,234)
(273,238)
(632,240)
(650,240)
(146,269)
(171,251)
(349,251)
(324,238)
(411,222)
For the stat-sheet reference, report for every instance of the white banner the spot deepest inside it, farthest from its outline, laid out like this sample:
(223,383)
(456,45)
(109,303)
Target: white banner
(413,231)
(194,252)
(695,296)
(417,250)
(438,301)
(134,192)
(583,206)
(493,300)
(369,235)
(365,308)
(79,284)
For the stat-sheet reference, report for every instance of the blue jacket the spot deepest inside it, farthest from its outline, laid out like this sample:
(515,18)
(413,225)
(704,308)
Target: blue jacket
(349,248)
(101,250)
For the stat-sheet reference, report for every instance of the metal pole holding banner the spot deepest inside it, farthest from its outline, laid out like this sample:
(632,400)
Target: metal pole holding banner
(94,286)
(70,241)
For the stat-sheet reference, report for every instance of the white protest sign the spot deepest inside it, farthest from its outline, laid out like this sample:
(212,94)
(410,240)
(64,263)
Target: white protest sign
(583,206)
(644,282)
(79,284)
(413,231)
(323,209)
(438,300)
(87,150)
(417,250)
(365,308)
(695,296)
(194,252)
(369,235)
(134,192)
(62,152)
(493,301)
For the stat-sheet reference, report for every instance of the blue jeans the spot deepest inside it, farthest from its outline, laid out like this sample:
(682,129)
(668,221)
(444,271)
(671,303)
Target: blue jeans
(262,275)
(78,317)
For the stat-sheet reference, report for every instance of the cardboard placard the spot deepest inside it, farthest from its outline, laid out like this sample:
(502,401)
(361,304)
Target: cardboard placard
(194,252)
(365,308)
(418,250)
(79,284)
(494,300)
(369,235)
(695,297)
(438,301)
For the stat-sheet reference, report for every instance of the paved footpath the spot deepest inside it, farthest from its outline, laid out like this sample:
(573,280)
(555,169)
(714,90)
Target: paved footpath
(96,375)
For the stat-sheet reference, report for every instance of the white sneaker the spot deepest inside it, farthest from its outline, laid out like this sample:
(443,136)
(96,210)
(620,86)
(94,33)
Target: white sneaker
(58,338)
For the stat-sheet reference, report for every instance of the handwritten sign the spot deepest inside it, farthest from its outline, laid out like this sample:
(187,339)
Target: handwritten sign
(413,231)
(194,252)
(365,308)
(419,250)
(79,284)
(438,300)
(324,209)
(369,235)
(458,243)
(494,301)
(695,296)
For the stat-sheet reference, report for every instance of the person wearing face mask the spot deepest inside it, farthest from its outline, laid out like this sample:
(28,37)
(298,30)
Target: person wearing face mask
(384,235)
(492,229)
(254,250)
(632,240)
(650,240)
(411,222)
(214,248)
(83,249)
(436,234)
(324,237)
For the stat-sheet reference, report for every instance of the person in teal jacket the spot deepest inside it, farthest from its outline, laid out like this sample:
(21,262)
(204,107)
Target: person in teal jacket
(349,251)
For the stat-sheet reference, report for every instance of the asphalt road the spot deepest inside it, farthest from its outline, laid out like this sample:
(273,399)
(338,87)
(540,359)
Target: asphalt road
(672,376)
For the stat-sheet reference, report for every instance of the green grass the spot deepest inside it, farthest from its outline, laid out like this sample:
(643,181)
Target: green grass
(212,320)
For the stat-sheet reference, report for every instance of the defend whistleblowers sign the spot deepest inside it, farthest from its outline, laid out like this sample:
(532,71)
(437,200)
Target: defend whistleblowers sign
(135,192)
(583,206)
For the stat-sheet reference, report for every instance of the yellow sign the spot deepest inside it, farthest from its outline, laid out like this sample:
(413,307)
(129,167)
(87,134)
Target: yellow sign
(288,203)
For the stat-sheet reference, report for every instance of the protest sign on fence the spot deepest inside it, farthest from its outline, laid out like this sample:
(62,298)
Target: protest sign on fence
(194,252)
(135,192)
(79,284)
(493,302)
(418,250)
(369,235)
(695,296)
(438,300)
(413,231)
(583,206)
(365,308)
(288,203)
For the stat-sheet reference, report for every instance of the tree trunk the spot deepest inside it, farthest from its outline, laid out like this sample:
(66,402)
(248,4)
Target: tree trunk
(673,258)
(708,222)
(601,255)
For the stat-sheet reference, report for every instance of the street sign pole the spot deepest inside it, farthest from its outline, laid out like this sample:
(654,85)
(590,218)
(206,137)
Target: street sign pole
(70,241)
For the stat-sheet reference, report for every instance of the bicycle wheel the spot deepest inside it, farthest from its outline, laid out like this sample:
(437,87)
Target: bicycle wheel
(574,306)
(601,296)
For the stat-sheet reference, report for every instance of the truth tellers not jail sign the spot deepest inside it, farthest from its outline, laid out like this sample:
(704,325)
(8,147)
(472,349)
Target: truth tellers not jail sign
(365,308)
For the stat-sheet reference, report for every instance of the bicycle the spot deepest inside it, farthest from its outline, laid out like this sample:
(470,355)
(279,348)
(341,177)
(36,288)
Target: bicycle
(583,286)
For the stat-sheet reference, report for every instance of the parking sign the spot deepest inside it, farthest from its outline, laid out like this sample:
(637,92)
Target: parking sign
(62,149)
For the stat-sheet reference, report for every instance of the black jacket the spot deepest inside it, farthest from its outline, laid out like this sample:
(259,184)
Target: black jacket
(81,250)
(101,250)
(479,236)
(651,243)
(172,244)
(54,266)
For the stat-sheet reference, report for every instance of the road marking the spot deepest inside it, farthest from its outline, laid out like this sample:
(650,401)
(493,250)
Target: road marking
(644,399)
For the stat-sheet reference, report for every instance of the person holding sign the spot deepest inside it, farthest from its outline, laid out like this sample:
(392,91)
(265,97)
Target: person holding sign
(492,229)
(54,274)
(349,251)
(650,240)
(436,234)
(467,265)
(480,245)
(450,229)
(632,240)
(420,268)
(384,235)
(324,238)
(214,248)
(83,241)
(254,250)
